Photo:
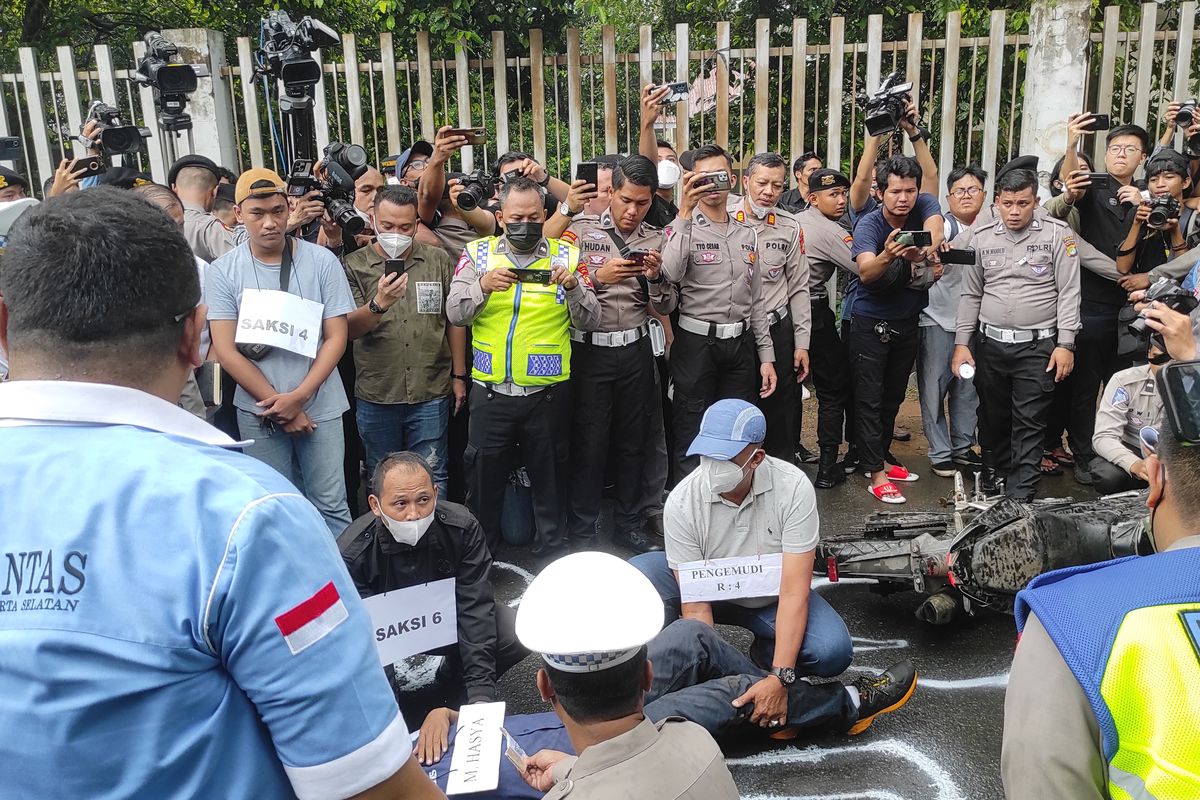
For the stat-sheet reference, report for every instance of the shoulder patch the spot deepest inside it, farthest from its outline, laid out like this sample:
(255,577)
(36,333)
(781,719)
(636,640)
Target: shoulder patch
(849,240)
(1120,397)
(464,261)
(1191,623)
(1072,249)
(569,236)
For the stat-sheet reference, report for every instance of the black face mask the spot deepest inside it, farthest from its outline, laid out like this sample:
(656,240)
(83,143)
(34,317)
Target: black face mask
(1160,359)
(523,236)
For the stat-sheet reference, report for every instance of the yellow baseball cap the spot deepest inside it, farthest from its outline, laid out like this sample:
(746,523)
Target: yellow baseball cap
(258,182)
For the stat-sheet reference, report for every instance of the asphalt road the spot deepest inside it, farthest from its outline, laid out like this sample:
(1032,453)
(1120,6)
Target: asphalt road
(944,745)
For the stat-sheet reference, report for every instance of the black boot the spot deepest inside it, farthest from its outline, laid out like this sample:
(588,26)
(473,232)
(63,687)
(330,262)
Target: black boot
(849,464)
(990,482)
(829,474)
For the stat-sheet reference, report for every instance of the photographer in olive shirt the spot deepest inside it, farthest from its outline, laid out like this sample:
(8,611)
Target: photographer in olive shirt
(404,349)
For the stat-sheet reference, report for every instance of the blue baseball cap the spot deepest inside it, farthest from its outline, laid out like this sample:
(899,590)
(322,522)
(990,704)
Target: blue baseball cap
(727,427)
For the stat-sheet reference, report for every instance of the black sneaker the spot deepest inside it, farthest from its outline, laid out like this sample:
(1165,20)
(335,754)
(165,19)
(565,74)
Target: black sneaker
(637,541)
(883,693)
(1083,473)
(849,464)
(806,456)
(945,469)
(969,460)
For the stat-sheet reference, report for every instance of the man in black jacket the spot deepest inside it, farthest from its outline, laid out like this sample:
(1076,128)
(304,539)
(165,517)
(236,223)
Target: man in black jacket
(410,538)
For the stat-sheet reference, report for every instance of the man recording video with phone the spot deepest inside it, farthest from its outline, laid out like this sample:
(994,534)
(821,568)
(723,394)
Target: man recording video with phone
(410,363)
(521,293)
(723,346)
(896,248)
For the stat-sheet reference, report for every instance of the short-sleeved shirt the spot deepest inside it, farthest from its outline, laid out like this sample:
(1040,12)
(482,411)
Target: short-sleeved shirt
(870,233)
(175,620)
(406,358)
(317,275)
(779,515)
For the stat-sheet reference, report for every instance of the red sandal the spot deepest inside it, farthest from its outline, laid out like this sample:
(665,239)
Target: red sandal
(887,493)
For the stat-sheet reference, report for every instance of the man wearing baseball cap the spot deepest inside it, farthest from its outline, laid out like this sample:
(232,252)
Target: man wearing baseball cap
(277,313)
(742,504)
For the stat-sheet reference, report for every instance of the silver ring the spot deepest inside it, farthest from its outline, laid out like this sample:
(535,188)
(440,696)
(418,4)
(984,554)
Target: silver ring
(774,722)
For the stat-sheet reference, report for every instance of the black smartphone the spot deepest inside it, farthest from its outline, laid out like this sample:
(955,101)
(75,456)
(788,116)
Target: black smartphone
(10,148)
(920,238)
(638,257)
(541,276)
(955,256)
(301,179)
(475,136)
(678,92)
(394,266)
(93,164)
(588,171)
(1101,122)
(1100,180)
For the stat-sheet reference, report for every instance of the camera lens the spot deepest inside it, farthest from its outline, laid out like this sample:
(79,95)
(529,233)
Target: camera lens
(472,196)
(345,216)
(1157,218)
(1186,116)
(121,140)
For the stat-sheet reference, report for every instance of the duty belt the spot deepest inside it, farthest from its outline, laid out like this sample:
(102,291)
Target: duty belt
(510,389)
(778,315)
(1015,335)
(716,330)
(610,338)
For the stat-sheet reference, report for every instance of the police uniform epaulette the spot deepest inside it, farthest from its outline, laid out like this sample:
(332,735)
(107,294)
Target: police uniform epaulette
(1046,219)
(585,217)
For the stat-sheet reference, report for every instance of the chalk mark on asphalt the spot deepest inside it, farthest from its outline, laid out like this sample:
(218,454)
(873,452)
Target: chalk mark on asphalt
(940,780)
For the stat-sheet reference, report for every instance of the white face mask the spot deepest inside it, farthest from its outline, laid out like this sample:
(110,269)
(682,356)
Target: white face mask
(668,174)
(407,532)
(394,243)
(723,476)
(758,211)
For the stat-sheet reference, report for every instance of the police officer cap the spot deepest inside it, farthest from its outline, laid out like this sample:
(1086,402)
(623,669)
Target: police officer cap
(192,161)
(589,611)
(824,179)
(9,178)
(1167,160)
(124,178)
(227,192)
(1020,162)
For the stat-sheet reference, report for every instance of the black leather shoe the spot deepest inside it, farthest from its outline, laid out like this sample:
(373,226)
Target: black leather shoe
(989,481)
(652,526)
(637,541)
(806,456)
(883,693)
(829,474)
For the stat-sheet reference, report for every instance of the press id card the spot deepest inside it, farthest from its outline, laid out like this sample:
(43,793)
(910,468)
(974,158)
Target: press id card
(514,751)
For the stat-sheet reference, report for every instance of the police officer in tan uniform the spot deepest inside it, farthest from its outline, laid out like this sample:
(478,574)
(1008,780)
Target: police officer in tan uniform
(723,346)
(1021,303)
(827,245)
(785,295)
(613,364)
(1129,403)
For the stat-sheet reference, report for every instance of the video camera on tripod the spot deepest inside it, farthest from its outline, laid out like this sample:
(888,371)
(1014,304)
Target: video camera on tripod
(287,47)
(172,81)
(341,165)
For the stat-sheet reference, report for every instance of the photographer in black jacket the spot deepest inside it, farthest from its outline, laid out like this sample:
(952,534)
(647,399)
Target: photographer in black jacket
(410,538)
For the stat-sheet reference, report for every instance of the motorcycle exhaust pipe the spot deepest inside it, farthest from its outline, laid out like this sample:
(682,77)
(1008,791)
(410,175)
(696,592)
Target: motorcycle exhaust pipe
(938,609)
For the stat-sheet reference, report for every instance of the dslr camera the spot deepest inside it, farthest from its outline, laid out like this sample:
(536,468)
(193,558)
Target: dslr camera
(114,137)
(341,165)
(172,82)
(478,188)
(1185,118)
(1162,210)
(1170,294)
(884,109)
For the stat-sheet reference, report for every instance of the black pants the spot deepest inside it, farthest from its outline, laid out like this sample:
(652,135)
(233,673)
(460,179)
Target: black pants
(613,391)
(830,375)
(539,424)
(1111,479)
(706,369)
(1015,395)
(1095,362)
(851,423)
(782,408)
(881,371)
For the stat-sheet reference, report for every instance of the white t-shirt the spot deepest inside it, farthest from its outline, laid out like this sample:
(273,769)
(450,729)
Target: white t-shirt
(779,515)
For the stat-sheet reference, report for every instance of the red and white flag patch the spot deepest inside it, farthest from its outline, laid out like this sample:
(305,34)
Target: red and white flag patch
(312,620)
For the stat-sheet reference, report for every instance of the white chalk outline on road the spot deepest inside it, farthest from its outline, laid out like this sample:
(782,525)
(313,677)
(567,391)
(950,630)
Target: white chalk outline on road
(946,684)
(941,780)
(865,645)
(821,583)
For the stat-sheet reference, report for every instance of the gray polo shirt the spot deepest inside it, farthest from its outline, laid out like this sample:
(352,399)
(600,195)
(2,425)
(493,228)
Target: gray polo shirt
(779,515)
(317,275)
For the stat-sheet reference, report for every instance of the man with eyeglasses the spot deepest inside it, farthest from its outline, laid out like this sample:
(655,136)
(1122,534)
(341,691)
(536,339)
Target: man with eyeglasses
(950,432)
(1106,213)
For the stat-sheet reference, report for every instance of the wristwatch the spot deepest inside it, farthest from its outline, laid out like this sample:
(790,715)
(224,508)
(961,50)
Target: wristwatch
(786,675)
(565,210)
(375,308)
(463,378)
(1066,346)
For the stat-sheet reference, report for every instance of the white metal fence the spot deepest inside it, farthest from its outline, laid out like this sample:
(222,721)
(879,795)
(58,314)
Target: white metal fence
(792,91)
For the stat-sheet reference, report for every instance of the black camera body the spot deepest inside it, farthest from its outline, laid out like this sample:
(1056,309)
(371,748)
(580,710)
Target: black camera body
(114,136)
(478,188)
(1162,210)
(884,109)
(1171,295)
(341,165)
(172,82)
(287,46)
